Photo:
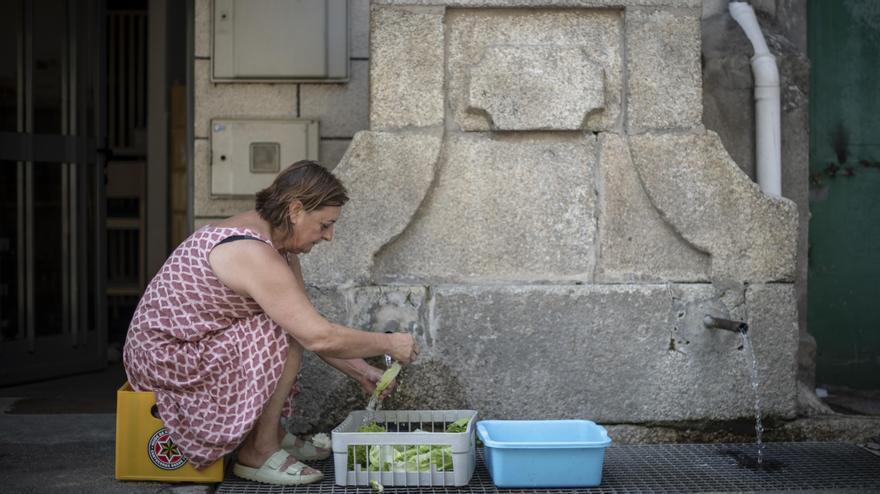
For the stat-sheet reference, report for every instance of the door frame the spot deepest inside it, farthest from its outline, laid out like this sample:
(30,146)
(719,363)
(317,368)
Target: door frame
(157,138)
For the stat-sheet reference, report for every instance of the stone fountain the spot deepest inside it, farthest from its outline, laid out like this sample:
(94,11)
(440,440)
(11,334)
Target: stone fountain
(538,202)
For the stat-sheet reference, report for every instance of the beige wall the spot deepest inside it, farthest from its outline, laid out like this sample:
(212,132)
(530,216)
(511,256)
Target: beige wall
(342,109)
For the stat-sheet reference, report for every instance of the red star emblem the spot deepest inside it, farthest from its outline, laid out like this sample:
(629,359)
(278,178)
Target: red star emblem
(166,450)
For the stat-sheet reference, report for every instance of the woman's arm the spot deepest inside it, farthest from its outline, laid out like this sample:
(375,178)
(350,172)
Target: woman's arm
(358,369)
(365,374)
(255,270)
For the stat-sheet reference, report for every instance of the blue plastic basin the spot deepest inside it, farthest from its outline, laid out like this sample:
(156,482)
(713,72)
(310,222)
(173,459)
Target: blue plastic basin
(544,453)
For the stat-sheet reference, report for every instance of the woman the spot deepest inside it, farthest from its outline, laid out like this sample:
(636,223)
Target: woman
(220,332)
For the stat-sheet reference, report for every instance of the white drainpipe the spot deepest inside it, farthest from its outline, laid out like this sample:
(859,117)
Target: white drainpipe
(768,152)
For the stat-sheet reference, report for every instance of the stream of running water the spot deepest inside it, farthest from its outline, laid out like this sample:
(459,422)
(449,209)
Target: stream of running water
(753,371)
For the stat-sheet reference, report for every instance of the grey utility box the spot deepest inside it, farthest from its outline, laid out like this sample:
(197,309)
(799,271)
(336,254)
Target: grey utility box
(274,40)
(246,155)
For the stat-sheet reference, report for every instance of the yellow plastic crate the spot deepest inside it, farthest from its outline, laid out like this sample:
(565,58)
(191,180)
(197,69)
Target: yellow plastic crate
(143,449)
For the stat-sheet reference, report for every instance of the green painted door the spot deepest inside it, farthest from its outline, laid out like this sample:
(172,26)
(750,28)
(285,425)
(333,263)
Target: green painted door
(844,271)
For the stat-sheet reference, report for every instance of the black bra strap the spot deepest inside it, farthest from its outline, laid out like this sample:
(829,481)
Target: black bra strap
(233,238)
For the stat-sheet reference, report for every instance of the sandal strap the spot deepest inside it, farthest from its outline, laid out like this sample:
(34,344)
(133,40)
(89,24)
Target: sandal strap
(289,442)
(295,468)
(277,460)
(308,448)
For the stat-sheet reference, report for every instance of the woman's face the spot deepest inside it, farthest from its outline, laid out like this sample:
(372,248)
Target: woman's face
(311,227)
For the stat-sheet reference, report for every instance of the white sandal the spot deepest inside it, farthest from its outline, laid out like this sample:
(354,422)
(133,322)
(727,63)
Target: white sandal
(270,472)
(307,451)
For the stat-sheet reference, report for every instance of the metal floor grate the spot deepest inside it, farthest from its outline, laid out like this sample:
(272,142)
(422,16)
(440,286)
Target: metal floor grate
(666,468)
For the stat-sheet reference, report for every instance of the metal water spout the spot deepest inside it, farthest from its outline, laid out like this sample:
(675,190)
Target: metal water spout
(726,324)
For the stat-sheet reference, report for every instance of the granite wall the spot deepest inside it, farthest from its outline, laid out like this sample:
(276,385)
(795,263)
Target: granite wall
(539,202)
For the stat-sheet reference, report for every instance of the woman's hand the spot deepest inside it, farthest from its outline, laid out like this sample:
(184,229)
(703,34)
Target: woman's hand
(403,348)
(369,379)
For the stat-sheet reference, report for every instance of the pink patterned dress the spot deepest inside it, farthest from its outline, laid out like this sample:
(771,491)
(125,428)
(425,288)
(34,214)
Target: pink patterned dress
(212,357)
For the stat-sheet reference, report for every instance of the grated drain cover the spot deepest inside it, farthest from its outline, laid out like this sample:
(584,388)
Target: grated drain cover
(666,468)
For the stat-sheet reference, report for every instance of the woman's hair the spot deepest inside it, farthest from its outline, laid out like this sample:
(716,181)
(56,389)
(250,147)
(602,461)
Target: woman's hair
(306,181)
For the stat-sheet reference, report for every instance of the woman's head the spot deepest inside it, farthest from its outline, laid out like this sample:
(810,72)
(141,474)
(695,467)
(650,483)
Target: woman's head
(303,201)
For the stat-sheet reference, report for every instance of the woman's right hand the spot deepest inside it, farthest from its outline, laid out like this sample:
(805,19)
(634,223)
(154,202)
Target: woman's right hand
(404,348)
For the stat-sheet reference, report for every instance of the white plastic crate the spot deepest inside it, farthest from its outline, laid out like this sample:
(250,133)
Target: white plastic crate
(398,466)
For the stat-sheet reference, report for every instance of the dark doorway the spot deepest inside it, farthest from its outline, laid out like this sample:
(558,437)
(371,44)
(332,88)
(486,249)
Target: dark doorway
(52,147)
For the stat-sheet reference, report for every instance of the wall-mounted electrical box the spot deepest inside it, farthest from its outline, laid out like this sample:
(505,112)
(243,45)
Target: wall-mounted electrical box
(246,155)
(280,40)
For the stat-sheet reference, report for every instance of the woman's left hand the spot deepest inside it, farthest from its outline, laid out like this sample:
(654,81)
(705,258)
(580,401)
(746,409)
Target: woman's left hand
(371,377)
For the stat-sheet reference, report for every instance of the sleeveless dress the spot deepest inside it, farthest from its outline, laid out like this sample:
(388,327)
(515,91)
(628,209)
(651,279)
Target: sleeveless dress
(212,357)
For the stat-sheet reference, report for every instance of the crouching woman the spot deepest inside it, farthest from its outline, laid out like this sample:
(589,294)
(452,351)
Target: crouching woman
(220,332)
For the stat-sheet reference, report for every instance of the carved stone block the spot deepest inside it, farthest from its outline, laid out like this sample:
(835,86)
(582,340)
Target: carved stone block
(542,87)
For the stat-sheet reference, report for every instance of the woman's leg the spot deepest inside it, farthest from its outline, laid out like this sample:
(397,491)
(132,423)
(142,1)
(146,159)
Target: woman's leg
(264,439)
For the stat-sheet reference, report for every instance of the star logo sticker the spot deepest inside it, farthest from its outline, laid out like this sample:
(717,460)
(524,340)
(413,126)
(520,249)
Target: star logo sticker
(163,452)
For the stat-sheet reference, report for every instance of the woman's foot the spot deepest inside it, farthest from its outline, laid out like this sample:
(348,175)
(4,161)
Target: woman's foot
(302,449)
(254,456)
(280,468)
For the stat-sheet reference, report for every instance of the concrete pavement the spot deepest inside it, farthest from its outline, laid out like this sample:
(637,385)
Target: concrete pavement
(68,453)
(59,435)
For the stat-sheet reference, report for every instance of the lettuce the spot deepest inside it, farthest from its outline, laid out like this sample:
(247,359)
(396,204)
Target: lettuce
(371,427)
(459,425)
(419,458)
(321,440)
(358,453)
(399,458)
(386,379)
